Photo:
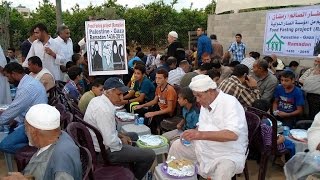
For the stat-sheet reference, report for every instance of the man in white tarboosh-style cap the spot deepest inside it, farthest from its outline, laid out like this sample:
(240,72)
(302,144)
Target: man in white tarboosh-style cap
(175,48)
(220,141)
(58,157)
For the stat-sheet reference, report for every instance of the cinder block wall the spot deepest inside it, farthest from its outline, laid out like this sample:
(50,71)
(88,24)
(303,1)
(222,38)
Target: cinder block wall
(252,26)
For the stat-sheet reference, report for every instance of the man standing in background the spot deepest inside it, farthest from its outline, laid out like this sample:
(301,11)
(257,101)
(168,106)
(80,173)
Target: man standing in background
(175,47)
(216,45)
(204,44)
(238,49)
(46,48)
(64,43)
(26,45)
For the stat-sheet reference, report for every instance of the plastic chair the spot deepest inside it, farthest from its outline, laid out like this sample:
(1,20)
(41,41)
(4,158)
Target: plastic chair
(253,122)
(60,107)
(74,108)
(304,124)
(23,156)
(266,152)
(66,118)
(81,135)
(86,161)
(314,104)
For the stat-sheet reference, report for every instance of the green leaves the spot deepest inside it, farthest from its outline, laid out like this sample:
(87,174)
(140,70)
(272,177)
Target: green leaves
(146,24)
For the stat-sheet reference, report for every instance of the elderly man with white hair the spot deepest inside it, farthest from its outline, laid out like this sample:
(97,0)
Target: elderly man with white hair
(312,71)
(175,48)
(220,141)
(58,157)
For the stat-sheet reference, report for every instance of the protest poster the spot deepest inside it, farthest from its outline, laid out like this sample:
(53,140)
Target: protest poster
(106,47)
(293,32)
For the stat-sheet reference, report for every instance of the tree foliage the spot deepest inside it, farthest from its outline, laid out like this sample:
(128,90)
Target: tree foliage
(146,25)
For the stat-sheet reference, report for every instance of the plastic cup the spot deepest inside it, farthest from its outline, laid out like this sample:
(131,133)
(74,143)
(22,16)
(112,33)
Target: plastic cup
(185,142)
(286,130)
(6,129)
(141,121)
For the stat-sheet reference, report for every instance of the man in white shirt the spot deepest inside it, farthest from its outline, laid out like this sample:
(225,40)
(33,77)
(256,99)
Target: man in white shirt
(64,43)
(220,141)
(153,59)
(176,75)
(5,97)
(47,50)
(40,73)
(101,114)
(314,134)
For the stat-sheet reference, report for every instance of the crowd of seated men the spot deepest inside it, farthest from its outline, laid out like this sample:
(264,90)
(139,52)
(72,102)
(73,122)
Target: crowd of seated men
(210,97)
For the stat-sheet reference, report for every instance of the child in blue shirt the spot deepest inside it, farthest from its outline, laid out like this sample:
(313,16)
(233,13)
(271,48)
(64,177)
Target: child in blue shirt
(190,114)
(289,100)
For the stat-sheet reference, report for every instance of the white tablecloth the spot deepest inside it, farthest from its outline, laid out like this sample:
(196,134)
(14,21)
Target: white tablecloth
(139,129)
(299,145)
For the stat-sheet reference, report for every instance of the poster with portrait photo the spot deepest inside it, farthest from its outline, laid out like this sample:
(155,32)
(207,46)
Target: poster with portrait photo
(106,47)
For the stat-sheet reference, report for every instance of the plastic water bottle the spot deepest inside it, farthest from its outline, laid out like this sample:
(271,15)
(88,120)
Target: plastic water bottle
(140,121)
(13,92)
(6,129)
(136,119)
(149,175)
(286,130)
(185,142)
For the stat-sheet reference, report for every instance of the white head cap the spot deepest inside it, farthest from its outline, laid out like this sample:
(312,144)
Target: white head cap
(318,56)
(44,117)
(202,83)
(173,34)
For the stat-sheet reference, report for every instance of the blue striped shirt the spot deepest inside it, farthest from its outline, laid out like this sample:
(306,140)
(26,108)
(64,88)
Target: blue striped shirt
(238,51)
(29,92)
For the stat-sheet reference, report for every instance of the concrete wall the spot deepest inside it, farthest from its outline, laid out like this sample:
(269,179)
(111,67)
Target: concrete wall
(251,25)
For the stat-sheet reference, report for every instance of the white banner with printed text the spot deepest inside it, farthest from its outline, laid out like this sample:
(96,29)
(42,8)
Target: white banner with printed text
(235,5)
(293,32)
(106,47)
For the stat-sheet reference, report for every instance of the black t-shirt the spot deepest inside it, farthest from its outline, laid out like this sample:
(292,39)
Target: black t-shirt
(25,47)
(176,50)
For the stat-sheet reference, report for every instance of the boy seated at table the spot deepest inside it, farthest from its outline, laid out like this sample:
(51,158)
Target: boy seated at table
(165,97)
(131,73)
(190,114)
(289,100)
(143,89)
(266,133)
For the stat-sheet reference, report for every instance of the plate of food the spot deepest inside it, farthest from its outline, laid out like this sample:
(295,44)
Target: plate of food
(151,141)
(179,168)
(124,116)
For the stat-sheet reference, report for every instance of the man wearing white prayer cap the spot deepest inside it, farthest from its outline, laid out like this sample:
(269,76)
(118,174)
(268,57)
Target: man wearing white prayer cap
(175,48)
(220,141)
(58,156)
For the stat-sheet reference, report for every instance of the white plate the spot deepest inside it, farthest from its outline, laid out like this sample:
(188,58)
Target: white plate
(3,107)
(151,140)
(124,116)
(300,134)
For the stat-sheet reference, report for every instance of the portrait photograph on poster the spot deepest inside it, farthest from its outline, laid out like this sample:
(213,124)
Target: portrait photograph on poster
(106,45)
